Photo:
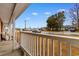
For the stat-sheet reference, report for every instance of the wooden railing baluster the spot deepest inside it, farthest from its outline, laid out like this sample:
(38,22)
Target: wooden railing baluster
(37,44)
(60,47)
(40,45)
(44,47)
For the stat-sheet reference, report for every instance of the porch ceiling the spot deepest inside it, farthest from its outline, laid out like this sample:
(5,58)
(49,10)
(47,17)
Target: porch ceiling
(10,11)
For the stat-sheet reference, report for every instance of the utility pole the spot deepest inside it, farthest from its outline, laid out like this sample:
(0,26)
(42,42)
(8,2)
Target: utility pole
(25,24)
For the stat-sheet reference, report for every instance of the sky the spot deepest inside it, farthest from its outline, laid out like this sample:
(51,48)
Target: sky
(37,14)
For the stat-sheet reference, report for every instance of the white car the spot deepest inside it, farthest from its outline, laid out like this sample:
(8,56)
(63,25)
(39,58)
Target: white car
(36,31)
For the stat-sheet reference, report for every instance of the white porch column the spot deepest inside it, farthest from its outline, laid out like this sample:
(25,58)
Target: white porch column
(14,42)
(13,33)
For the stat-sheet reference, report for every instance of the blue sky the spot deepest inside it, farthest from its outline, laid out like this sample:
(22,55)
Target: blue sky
(37,14)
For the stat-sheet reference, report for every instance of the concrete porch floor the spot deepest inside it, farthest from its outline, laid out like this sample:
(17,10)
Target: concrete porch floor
(6,49)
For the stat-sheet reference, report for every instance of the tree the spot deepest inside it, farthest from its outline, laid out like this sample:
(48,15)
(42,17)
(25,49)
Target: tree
(61,18)
(55,22)
(74,14)
(52,22)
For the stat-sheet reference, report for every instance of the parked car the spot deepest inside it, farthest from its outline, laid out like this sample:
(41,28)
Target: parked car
(36,31)
(72,29)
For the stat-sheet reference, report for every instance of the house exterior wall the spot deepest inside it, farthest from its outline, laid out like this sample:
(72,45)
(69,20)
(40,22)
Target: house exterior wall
(1,26)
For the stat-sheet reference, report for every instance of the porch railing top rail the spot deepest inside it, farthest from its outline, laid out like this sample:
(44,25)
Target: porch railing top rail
(52,35)
(41,42)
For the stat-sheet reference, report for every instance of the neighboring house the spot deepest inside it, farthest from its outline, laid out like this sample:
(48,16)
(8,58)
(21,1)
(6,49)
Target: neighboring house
(67,27)
(43,28)
(27,29)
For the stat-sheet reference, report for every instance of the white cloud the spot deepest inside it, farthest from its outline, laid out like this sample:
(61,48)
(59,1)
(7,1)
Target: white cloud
(65,10)
(47,13)
(47,16)
(75,13)
(60,10)
(27,18)
(34,13)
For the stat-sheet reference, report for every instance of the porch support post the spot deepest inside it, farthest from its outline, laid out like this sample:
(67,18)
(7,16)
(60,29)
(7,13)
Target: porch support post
(13,34)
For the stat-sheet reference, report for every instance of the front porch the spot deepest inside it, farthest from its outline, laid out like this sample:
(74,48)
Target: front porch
(6,49)
(33,44)
(39,44)
(9,12)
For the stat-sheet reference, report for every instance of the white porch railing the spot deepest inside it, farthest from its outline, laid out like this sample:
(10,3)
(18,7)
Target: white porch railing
(37,44)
